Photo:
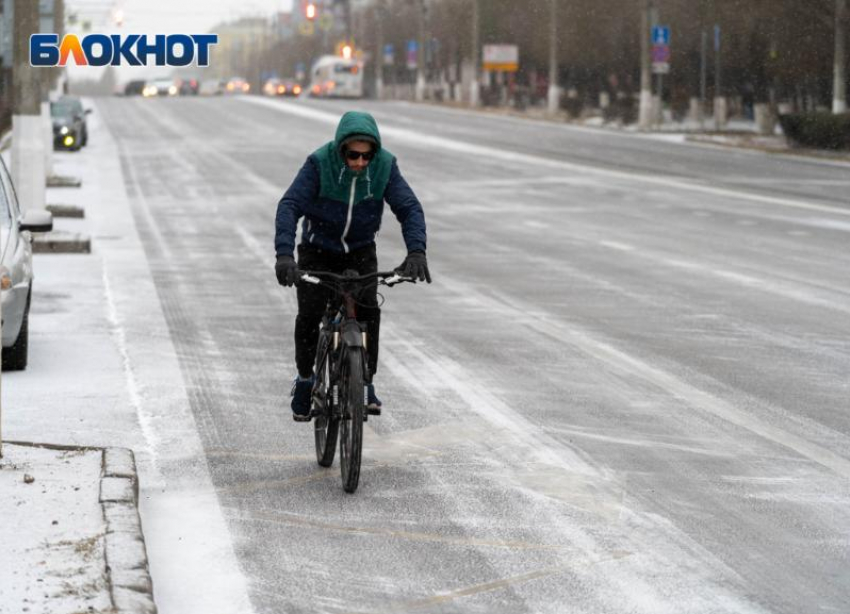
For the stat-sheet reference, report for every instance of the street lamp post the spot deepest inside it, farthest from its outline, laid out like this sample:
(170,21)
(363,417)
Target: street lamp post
(28,167)
(554,94)
(474,93)
(420,64)
(645,117)
(839,96)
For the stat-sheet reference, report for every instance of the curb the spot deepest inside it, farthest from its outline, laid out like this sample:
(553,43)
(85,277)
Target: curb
(127,574)
(66,210)
(60,242)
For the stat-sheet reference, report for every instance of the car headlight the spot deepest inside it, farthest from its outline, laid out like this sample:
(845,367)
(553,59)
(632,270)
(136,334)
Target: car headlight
(172,90)
(5,278)
(64,130)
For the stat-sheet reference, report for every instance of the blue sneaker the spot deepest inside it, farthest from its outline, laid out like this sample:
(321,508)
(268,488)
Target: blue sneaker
(373,403)
(302,398)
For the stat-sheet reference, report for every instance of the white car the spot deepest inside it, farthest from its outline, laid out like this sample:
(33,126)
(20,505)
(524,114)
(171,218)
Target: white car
(16,271)
(161,87)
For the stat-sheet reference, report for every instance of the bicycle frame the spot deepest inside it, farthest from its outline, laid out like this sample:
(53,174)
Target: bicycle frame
(342,372)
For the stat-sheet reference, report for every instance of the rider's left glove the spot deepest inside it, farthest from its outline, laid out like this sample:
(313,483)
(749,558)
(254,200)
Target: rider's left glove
(416,266)
(286,270)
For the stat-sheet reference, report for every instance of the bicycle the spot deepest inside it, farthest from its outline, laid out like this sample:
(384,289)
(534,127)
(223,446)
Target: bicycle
(342,371)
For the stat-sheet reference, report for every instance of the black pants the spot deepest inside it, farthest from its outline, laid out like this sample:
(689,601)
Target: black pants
(312,300)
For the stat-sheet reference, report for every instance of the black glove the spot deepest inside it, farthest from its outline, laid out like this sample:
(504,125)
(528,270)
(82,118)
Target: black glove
(286,270)
(415,266)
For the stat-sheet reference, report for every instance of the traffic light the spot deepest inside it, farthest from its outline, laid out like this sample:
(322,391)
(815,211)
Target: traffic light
(310,11)
(346,51)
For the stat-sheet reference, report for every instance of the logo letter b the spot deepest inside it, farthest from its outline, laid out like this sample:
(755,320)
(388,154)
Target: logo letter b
(44,50)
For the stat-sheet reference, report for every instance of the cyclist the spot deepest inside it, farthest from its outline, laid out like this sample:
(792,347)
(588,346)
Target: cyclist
(340,192)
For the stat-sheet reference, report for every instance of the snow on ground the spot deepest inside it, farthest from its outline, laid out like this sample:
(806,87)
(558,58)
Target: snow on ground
(52,532)
(103,372)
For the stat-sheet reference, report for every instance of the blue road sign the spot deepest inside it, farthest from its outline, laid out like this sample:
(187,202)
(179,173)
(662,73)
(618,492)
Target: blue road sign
(660,35)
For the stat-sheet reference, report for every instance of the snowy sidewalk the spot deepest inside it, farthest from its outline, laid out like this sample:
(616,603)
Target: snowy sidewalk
(71,532)
(103,373)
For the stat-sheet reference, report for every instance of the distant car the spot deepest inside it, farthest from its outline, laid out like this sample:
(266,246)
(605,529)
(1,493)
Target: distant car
(211,87)
(161,87)
(237,85)
(70,130)
(16,271)
(188,87)
(135,87)
(281,87)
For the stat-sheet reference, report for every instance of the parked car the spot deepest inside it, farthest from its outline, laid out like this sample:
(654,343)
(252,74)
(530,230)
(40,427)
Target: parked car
(69,123)
(16,271)
(161,87)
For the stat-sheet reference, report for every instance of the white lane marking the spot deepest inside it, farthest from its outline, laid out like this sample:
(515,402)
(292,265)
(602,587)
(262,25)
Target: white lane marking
(531,316)
(427,141)
(185,530)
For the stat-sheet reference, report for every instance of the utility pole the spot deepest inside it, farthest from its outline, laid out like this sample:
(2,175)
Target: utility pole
(474,93)
(703,74)
(27,130)
(379,51)
(839,95)
(719,100)
(645,117)
(554,94)
(420,63)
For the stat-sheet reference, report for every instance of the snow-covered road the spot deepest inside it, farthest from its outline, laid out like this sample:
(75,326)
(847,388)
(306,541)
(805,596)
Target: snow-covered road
(626,390)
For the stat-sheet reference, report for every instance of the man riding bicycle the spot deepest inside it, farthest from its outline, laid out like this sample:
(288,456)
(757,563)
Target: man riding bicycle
(340,192)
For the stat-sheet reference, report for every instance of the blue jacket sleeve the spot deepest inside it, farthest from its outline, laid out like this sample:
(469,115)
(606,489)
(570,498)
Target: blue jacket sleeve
(407,210)
(303,191)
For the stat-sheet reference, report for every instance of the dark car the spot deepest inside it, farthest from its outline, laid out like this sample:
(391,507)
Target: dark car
(188,87)
(69,123)
(135,87)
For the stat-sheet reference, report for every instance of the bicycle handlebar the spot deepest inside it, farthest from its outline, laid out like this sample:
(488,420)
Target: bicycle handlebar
(388,278)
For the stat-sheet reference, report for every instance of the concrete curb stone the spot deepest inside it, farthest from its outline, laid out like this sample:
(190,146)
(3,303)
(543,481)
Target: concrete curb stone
(128,577)
(60,242)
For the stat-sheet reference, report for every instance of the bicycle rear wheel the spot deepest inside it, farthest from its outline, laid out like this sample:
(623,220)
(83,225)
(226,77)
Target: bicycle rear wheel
(326,423)
(353,406)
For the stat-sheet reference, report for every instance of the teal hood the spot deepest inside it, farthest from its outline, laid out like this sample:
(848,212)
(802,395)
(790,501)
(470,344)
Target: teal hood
(335,175)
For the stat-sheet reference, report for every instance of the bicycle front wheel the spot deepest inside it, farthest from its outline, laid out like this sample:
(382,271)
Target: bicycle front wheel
(353,406)
(325,423)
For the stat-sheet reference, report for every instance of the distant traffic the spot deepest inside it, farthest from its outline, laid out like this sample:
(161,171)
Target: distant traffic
(331,77)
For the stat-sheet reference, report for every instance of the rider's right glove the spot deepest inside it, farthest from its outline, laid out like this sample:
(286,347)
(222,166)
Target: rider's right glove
(286,270)
(415,266)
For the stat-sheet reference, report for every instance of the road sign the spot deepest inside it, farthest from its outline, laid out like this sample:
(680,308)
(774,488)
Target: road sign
(412,55)
(660,35)
(660,53)
(306,28)
(504,58)
(717,38)
(389,54)
(326,22)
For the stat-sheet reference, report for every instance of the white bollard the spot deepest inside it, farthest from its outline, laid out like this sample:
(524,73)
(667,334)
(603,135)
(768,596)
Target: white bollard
(28,161)
(48,138)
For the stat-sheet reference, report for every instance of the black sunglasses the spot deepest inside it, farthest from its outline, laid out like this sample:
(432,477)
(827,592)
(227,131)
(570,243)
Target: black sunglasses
(352,155)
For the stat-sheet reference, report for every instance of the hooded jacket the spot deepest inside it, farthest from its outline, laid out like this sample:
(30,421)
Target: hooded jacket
(341,208)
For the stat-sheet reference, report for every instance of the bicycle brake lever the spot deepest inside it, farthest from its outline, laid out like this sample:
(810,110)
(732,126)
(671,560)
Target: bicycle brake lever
(397,279)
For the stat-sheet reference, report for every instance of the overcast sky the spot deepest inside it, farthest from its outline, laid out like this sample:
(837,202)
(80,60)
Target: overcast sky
(166,16)
(160,17)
